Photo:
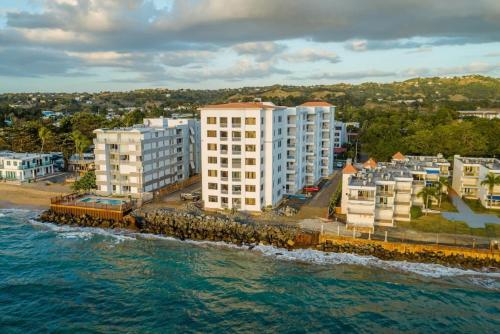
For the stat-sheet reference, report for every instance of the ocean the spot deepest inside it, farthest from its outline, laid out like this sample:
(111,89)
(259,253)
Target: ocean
(60,279)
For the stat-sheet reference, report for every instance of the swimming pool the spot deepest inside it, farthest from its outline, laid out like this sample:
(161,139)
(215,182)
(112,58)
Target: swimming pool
(99,200)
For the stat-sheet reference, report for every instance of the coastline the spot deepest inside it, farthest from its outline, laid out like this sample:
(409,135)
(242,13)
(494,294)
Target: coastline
(29,196)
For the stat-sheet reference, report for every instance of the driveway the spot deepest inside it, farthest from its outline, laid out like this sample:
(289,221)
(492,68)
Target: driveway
(465,214)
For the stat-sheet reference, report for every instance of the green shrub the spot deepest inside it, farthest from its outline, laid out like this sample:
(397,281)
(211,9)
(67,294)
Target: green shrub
(415,212)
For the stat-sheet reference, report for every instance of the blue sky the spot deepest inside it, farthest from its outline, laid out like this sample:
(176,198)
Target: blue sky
(94,45)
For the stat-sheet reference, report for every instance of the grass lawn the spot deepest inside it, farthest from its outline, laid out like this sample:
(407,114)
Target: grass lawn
(446,205)
(477,207)
(435,223)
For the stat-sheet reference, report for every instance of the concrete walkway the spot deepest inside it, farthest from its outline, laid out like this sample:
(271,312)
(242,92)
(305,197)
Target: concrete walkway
(468,216)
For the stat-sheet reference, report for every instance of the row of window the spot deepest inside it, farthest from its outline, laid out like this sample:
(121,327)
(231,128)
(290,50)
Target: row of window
(234,135)
(224,200)
(235,162)
(236,188)
(235,121)
(236,176)
(235,148)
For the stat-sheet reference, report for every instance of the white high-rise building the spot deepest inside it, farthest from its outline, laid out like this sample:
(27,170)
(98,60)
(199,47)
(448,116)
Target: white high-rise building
(243,155)
(253,153)
(143,158)
(310,133)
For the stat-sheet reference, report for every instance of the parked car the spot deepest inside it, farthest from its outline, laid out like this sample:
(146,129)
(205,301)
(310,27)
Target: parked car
(195,196)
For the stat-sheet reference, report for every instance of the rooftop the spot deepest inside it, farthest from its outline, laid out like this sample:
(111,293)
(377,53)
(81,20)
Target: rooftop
(490,163)
(243,105)
(17,155)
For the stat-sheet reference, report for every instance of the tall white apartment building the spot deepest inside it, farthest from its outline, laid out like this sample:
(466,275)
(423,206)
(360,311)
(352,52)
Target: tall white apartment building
(378,194)
(340,134)
(22,167)
(243,155)
(468,173)
(310,143)
(141,159)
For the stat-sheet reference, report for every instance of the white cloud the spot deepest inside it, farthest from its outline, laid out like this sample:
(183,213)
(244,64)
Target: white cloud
(311,55)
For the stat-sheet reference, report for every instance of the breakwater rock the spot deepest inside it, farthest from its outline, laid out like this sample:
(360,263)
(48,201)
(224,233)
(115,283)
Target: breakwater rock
(424,256)
(184,225)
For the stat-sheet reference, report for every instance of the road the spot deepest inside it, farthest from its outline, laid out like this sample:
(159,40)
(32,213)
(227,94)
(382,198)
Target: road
(175,196)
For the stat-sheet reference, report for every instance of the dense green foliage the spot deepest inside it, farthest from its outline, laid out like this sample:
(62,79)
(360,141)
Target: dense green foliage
(86,183)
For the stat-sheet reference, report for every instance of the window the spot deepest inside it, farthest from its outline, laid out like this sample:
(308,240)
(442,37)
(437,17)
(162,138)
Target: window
(236,176)
(250,121)
(250,148)
(236,163)
(212,160)
(236,121)
(250,161)
(223,162)
(236,135)
(250,188)
(223,135)
(212,186)
(250,175)
(211,120)
(250,134)
(212,133)
(236,148)
(250,201)
(223,121)
(213,199)
(212,172)
(212,147)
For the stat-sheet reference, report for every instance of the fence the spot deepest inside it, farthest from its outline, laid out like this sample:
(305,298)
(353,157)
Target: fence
(402,236)
(178,186)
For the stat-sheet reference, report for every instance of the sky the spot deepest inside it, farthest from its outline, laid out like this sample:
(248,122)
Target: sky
(112,45)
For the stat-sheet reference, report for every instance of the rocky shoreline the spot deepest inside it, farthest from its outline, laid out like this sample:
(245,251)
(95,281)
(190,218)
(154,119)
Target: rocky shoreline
(195,226)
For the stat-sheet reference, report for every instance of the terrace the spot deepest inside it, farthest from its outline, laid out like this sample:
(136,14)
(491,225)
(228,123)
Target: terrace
(95,206)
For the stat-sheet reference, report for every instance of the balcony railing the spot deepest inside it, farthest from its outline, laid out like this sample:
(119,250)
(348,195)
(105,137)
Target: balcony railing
(385,193)
(223,138)
(224,165)
(236,152)
(223,151)
(236,125)
(236,138)
(224,178)
(223,125)
(236,165)
(361,198)
(224,191)
(236,179)
(236,192)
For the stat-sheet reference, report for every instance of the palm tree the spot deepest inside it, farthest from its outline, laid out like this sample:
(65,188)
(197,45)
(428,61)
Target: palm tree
(44,134)
(442,183)
(427,193)
(491,181)
(81,143)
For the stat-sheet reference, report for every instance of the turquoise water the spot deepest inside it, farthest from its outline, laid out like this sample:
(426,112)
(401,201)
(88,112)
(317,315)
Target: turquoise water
(83,280)
(107,201)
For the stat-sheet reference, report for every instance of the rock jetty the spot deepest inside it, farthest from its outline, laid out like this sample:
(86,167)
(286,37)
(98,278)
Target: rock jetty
(199,226)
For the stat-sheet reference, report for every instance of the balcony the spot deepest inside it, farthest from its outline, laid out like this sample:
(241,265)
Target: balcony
(223,151)
(382,193)
(236,152)
(224,178)
(236,138)
(236,192)
(223,138)
(236,125)
(223,125)
(224,165)
(224,205)
(224,191)
(361,198)
(236,165)
(236,179)
(384,206)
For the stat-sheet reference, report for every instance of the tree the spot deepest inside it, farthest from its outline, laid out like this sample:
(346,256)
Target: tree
(427,193)
(491,181)
(442,183)
(82,143)
(86,183)
(44,134)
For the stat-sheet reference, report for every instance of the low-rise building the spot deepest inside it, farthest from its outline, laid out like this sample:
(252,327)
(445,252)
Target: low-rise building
(23,167)
(481,113)
(142,159)
(468,173)
(81,164)
(379,194)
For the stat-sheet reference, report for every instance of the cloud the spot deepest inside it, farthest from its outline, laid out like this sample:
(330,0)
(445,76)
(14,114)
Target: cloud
(186,57)
(262,51)
(493,54)
(417,43)
(352,75)
(241,70)
(472,68)
(312,55)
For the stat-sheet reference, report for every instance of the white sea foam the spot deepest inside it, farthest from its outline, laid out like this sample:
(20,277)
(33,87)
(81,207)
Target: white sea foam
(85,233)
(483,279)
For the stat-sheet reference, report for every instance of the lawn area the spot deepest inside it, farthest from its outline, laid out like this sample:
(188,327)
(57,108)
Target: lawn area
(477,207)
(446,205)
(435,223)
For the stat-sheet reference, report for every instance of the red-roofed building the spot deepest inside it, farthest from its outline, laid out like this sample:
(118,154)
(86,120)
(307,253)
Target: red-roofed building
(398,157)
(370,163)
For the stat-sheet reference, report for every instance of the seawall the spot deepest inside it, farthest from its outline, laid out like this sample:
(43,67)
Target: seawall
(197,226)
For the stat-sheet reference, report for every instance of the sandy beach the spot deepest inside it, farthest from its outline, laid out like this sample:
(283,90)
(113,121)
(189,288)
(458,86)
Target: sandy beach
(33,195)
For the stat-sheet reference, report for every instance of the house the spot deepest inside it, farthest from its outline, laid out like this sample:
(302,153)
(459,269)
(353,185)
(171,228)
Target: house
(23,167)
(81,164)
(481,113)
(468,173)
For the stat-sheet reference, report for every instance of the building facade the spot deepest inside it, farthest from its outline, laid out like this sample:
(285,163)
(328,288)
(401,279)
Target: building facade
(379,194)
(310,144)
(481,113)
(81,164)
(468,173)
(254,153)
(243,155)
(141,159)
(23,167)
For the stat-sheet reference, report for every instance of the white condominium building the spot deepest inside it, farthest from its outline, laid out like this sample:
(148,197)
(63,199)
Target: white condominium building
(481,113)
(243,155)
(22,167)
(468,173)
(143,158)
(378,194)
(310,143)
(340,134)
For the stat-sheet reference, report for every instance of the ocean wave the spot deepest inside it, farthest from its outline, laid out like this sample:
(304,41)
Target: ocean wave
(484,279)
(85,233)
